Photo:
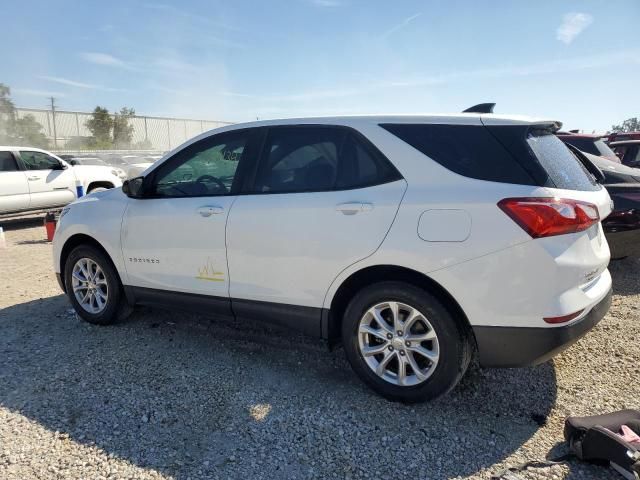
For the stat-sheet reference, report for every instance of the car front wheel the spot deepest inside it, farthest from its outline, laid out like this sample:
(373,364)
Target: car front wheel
(403,342)
(93,286)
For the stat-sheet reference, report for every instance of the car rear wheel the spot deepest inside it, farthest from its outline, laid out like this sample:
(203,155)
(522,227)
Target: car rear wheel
(403,342)
(93,286)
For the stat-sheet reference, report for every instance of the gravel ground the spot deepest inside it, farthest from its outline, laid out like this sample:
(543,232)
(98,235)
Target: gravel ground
(171,395)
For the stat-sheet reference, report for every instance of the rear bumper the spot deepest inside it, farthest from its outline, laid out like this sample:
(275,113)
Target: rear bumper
(525,346)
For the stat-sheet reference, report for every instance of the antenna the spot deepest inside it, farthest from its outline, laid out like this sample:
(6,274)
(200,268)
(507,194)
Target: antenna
(480,108)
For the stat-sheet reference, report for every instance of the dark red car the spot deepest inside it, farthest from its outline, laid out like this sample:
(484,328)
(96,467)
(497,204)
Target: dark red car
(590,143)
(620,136)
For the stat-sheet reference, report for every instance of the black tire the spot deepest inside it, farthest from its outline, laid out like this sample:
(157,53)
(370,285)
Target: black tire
(455,348)
(116,306)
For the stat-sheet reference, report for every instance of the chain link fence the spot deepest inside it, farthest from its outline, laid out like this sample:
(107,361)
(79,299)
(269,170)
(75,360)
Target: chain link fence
(66,129)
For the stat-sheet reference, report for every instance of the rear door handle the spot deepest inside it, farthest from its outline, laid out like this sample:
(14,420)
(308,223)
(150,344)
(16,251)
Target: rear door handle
(209,210)
(351,208)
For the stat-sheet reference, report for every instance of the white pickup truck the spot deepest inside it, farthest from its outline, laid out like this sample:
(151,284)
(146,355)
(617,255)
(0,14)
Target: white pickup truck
(32,179)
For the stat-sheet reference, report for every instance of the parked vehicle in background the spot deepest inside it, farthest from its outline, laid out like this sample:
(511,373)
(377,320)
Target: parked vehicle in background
(32,179)
(98,162)
(628,151)
(622,226)
(589,143)
(412,239)
(620,136)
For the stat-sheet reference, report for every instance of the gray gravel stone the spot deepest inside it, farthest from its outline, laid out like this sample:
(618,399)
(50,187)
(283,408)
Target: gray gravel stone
(171,395)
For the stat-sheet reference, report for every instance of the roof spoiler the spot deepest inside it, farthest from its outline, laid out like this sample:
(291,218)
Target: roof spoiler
(481,108)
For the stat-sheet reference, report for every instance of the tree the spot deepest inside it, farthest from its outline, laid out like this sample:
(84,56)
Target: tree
(7,114)
(629,125)
(24,131)
(122,131)
(28,132)
(100,125)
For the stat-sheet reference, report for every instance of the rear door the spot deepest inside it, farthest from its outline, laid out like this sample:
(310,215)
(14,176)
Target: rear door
(14,188)
(51,183)
(321,198)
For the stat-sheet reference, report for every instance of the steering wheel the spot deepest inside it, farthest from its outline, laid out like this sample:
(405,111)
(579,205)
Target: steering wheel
(211,178)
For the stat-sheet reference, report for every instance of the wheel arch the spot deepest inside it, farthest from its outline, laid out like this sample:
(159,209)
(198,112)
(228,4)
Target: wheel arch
(99,184)
(332,317)
(78,239)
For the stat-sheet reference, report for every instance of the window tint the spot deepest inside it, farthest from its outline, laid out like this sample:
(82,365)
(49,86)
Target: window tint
(38,160)
(205,168)
(7,162)
(564,170)
(468,150)
(305,159)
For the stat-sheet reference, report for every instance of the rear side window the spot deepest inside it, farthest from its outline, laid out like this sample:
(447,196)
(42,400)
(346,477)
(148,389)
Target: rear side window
(7,162)
(518,154)
(468,150)
(318,158)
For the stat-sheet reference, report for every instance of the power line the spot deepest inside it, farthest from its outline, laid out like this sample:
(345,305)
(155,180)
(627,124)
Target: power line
(53,114)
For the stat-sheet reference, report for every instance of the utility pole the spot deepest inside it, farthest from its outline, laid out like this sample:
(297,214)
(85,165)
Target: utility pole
(53,115)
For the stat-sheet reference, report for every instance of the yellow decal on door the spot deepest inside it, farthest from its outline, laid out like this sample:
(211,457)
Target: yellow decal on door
(208,272)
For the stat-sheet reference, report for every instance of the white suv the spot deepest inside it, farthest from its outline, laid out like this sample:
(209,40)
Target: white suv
(32,179)
(418,241)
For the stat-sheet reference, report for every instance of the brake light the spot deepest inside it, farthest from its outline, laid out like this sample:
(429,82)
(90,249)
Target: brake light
(549,216)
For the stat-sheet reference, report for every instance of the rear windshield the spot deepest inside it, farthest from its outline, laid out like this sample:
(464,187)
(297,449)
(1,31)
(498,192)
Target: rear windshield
(515,154)
(564,170)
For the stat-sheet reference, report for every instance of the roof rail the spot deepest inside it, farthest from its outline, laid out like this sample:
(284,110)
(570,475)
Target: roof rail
(481,108)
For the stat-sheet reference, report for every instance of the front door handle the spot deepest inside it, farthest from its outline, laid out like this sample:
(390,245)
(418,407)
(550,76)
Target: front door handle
(351,208)
(209,210)
(33,178)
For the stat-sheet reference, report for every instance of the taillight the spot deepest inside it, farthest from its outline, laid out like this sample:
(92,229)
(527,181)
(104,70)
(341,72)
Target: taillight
(548,216)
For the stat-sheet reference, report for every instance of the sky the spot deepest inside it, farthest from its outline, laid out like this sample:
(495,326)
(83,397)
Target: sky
(573,61)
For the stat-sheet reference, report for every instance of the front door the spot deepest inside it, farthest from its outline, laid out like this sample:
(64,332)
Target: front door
(51,183)
(14,189)
(173,239)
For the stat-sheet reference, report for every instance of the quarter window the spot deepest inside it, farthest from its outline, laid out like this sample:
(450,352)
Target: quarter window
(7,162)
(315,158)
(38,160)
(206,168)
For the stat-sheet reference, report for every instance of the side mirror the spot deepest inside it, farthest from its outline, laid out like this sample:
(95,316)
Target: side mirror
(60,166)
(133,188)
(73,162)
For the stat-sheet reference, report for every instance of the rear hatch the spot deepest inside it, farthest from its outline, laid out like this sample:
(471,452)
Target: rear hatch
(573,233)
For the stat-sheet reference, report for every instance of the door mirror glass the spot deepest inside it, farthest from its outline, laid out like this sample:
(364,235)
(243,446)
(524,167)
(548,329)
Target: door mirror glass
(133,188)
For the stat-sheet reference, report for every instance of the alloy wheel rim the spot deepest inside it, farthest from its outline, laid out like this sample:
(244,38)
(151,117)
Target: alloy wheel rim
(398,343)
(89,285)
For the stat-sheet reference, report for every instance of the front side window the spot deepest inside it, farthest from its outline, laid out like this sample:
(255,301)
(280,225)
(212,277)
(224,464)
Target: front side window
(38,160)
(206,168)
(7,162)
(319,158)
